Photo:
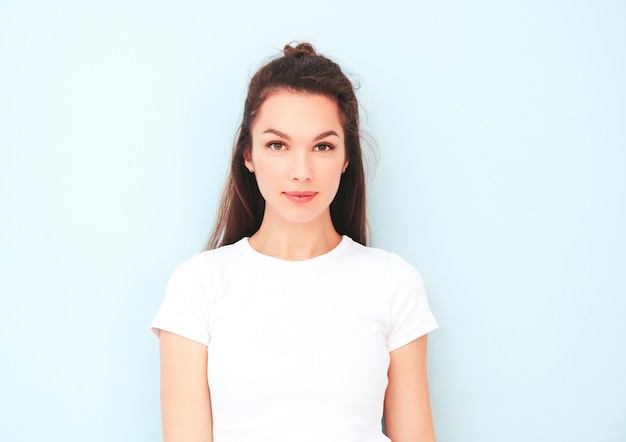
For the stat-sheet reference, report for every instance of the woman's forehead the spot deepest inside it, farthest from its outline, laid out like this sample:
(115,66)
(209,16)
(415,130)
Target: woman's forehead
(287,112)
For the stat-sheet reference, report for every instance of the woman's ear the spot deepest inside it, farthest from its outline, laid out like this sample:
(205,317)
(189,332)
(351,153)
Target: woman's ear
(345,166)
(247,160)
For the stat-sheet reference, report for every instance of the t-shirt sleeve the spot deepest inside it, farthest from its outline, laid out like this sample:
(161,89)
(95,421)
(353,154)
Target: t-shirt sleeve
(409,311)
(187,303)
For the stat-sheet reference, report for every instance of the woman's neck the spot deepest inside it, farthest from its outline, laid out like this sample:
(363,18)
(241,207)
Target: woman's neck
(295,241)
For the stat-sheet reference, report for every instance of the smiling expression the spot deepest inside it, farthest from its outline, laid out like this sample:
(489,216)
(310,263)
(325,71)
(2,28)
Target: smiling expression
(298,154)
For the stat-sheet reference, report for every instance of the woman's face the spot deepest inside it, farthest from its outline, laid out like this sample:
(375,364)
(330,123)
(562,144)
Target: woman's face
(298,154)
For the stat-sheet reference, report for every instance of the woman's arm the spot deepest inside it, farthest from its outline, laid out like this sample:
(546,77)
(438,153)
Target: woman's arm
(185,399)
(407,403)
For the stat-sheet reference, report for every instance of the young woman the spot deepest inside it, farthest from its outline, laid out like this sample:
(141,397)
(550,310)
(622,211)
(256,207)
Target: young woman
(288,327)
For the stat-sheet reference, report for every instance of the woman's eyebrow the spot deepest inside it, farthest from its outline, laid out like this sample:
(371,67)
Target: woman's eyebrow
(327,134)
(288,138)
(277,132)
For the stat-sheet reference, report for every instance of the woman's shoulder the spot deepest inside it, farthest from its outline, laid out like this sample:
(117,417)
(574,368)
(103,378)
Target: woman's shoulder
(374,262)
(228,251)
(376,255)
(203,262)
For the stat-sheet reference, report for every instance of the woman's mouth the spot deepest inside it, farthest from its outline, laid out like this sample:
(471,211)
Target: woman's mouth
(300,197)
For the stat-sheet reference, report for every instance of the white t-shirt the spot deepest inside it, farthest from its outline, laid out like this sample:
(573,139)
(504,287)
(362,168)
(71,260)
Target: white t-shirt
(297,350)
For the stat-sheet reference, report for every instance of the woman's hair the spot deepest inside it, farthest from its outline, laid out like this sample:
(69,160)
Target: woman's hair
(299,69)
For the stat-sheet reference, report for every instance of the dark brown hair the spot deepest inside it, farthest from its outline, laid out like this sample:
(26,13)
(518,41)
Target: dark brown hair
(299,69)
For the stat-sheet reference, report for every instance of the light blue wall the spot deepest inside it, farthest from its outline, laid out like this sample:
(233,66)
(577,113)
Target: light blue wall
(502,131)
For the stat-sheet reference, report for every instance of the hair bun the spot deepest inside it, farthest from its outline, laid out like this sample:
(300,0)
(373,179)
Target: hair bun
(300,50)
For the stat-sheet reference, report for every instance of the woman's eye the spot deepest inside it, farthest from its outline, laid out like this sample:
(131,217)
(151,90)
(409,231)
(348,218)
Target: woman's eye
(323,147)
(276,146)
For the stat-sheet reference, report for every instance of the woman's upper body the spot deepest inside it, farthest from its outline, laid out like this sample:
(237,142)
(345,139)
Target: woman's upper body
(288,329)
(297,350)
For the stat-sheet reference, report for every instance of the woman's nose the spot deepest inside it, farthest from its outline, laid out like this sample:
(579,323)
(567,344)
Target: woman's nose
(301,167)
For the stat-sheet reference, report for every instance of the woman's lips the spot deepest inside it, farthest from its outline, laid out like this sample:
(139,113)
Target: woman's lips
(300,197)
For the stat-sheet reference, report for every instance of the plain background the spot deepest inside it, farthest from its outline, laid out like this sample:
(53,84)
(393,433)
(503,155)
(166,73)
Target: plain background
(502,133)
